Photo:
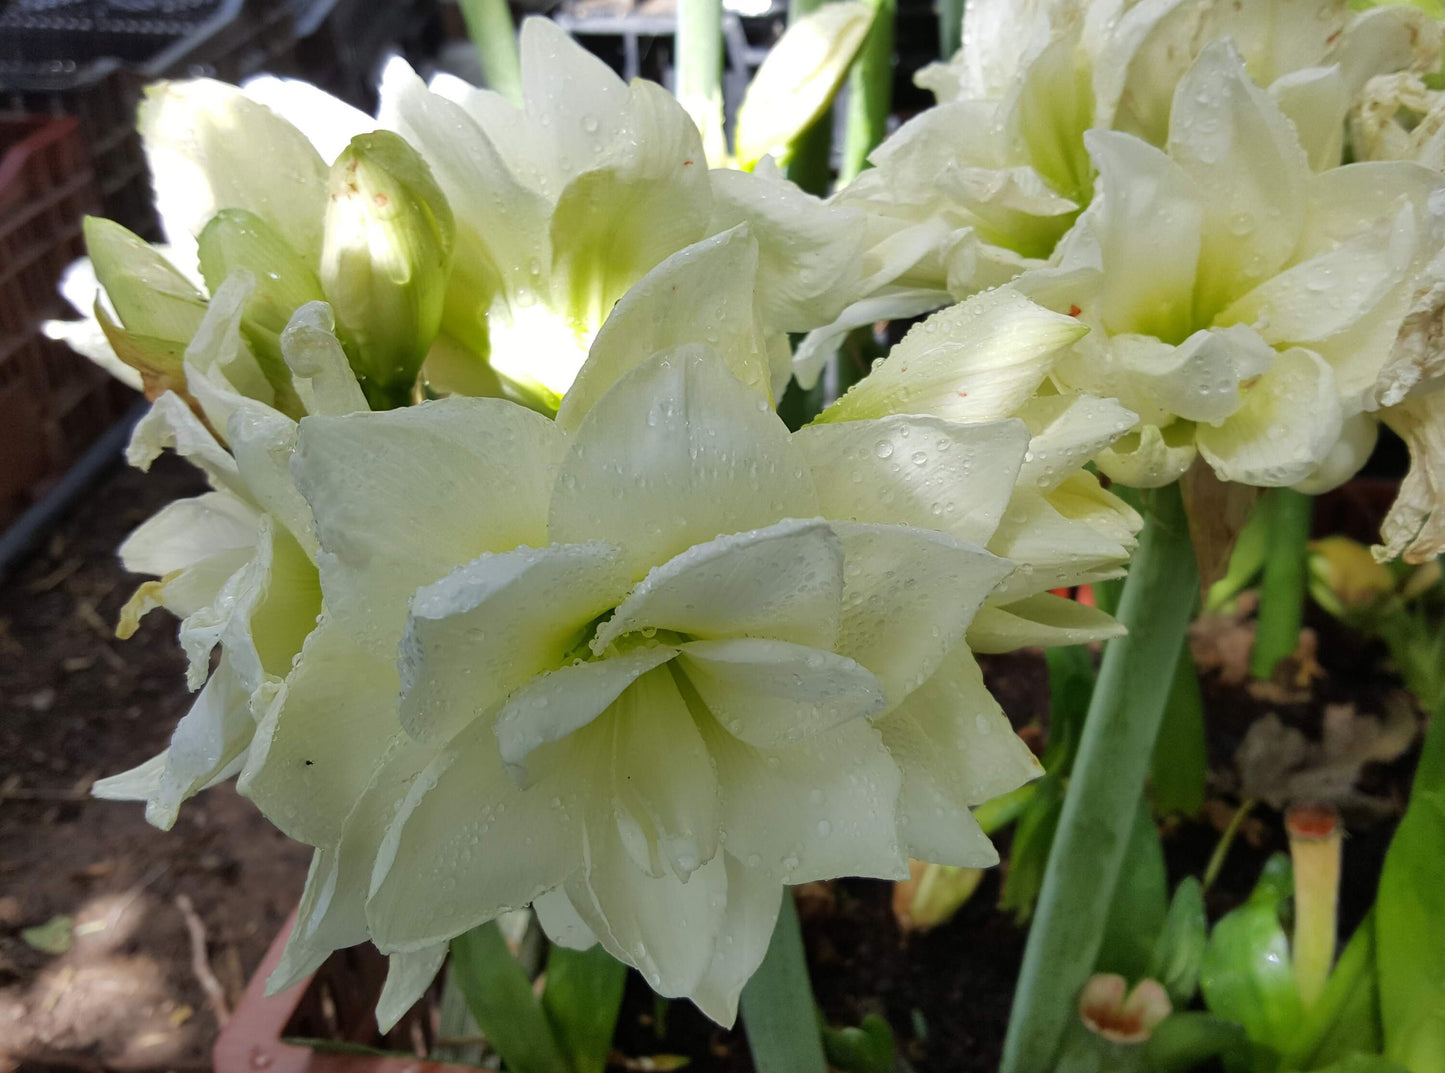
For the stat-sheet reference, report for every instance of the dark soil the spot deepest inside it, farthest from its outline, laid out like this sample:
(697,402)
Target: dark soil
(78,704)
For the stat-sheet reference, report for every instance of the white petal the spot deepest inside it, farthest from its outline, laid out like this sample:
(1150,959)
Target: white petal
(910,596)
(1044,619)
(1053,550)
(1346,458)
(468,843)
(916,470)
(818,810)
(319,368)
(1149,457)
(328,122)
(663,791)
(621,217)
(408,974)
(663,927)
(1065,432)
(1315,100)
(772,695)
(1249,169)
(562,923)
(1290,421)
(955,749)
(819,346)
(753,900)
(170,423)
(317,743)
(556,703)
(809,251)
(200,139)
(207,747)
(490,626)
(402,497)
(674,454)
(501,224)
(977,361)
(703,293)
(573,99)
(784,582)
(186,531)
(1147,218)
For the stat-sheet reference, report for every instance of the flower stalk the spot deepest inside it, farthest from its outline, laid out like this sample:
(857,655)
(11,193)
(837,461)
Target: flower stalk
(870,92)
(1104,791)
(1314,849)
(489,25)
(777,1003)
(1281,597)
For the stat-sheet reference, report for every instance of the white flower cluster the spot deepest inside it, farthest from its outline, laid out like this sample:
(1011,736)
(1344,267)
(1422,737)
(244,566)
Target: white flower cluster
(522,591)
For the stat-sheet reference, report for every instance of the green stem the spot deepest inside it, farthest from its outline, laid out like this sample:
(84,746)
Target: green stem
(808,165)
(1101,804)
(870,92)
(489,25)
(950,27)
(777,1004)
(1226,840)
(699,66)
(1282,594)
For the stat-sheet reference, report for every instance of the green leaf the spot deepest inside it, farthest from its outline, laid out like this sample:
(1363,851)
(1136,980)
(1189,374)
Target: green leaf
(1365,1063)
(1180,759)
(1136,915)
(1247,975)
(1071,685)
(1186,1041)
(1179,950)
(867,1048)
(1245,562)
(581,1000)
(1029,855)
(55,936)
(501,1000)
(1410,933)
(777,1003)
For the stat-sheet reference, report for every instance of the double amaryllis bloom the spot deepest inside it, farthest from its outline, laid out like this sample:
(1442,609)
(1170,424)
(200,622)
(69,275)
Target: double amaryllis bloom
(639,666)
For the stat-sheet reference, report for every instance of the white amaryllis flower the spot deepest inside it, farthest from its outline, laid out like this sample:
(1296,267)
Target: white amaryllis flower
(657,658)
(982,186)
(235,564)
(559,206)
(1248,309)
(564,203)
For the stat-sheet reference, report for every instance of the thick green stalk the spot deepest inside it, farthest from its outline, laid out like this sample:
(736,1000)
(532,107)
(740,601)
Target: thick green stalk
(1104,790)
(777,1004)
(699,66)
(808,162)
(1282,595)
(950,27)
(870,92)
(489,25)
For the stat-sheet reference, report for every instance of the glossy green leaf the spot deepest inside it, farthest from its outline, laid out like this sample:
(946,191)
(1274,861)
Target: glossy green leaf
(581,1000)
(1029,855)
(501,1000)
(1179,950)
(1071,684)
(1247,975)
(1410,933)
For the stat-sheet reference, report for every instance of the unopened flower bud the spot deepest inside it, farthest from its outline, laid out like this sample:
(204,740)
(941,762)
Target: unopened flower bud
(385,258)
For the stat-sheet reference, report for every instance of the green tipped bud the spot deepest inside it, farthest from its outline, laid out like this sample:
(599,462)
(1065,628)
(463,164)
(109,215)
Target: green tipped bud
(385,258)
(237,239)
(151,298)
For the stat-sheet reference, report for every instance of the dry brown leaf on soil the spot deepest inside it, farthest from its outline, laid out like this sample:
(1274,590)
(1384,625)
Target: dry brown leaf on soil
(1281,766)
